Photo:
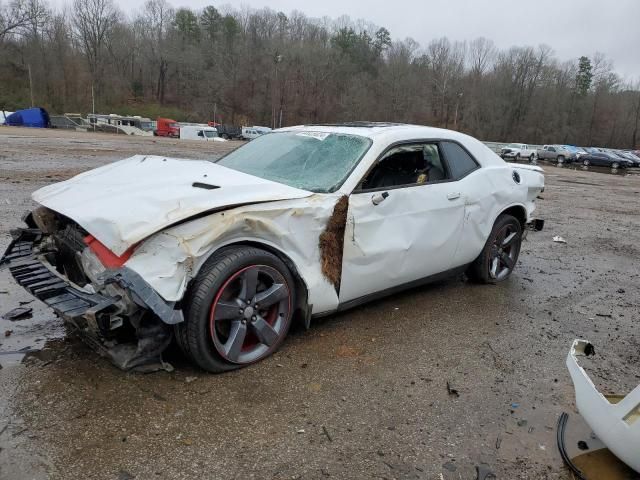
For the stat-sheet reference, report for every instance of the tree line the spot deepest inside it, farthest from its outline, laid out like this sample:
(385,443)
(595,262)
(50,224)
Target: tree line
(262,67)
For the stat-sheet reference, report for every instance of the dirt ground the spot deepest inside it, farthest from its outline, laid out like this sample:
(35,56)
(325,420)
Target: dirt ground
(360,395)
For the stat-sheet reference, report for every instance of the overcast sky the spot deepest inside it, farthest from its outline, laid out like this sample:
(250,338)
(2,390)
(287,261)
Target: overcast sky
(571,27)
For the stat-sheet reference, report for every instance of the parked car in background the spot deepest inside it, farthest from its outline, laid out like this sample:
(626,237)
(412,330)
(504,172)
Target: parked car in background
(249,133)
(576,151)
(519,151)
(629,156)
(166,127)
(197,132)
(302,222)
(228,132)
(555,153)
(627,162)
(600,157)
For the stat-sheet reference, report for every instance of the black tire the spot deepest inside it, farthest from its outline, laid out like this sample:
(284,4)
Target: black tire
(225,136)
(586,162)
(532,158)
(480,270)
(615,165)
(560,159)
(197,335)
(517,156)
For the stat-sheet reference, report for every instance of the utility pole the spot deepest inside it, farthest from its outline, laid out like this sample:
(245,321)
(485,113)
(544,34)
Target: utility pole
(30,85)
(93,107)
(455,118)
(276,60)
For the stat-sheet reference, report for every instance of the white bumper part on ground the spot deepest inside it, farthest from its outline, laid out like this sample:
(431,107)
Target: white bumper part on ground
(613,418)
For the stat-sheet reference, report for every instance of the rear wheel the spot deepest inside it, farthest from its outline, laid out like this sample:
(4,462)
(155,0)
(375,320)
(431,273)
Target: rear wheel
(615,165)
(500,254)
(532,158)
(517,156)
(586,162)
(560,159)
(239,309)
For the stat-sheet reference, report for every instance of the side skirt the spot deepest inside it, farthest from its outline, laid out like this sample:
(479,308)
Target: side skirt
(390,291)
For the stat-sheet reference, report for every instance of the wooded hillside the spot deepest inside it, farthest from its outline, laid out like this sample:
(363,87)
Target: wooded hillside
(261,67)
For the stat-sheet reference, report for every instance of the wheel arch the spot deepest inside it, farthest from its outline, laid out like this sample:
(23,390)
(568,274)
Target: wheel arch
(302,309)
(518,211)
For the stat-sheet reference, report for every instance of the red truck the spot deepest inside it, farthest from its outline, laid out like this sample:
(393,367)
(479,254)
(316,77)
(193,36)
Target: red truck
(165,127)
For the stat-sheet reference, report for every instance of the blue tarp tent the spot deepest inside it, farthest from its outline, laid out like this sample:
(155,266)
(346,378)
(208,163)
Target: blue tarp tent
(30,117)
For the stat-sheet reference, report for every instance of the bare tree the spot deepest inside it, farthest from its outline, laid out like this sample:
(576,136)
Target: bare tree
(482,52)
(93,21)
(18,15)
(155,22)
(192,63)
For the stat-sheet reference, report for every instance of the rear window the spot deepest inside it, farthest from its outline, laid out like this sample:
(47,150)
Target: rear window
(459,161)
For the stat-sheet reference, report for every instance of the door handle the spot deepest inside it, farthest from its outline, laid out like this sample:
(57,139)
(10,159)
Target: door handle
(378,198)
(453,195)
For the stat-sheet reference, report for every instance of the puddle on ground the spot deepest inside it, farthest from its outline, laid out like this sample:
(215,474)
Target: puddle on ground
(596,461)
(19,338)
(603,465)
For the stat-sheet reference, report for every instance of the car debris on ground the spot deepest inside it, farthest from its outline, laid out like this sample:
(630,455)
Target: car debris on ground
(614,418)
(19,313)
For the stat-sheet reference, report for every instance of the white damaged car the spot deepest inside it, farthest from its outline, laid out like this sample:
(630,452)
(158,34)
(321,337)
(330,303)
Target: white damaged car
(305,221)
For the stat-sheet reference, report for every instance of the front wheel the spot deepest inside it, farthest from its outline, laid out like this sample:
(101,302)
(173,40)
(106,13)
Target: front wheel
(586,162)
(560,159)
(238,310)
(500,254)
(615,165)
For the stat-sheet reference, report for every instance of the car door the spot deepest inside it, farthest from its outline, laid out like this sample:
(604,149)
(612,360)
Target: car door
(400,232)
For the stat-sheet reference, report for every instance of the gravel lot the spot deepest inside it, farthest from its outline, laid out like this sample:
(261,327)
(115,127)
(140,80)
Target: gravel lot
(360,395)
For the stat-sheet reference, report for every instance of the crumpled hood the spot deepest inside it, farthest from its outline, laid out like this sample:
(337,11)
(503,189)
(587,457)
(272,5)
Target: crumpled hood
(127,201)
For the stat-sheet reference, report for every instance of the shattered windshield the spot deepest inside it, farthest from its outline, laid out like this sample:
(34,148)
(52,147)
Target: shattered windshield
(315,161)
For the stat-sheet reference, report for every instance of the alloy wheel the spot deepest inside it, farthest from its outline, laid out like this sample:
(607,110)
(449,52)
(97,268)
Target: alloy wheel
(250,314)
(504,252)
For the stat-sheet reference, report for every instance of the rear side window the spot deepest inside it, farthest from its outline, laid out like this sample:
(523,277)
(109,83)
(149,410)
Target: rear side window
(459,161)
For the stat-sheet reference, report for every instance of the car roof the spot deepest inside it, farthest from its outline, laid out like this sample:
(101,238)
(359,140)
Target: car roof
(381,130)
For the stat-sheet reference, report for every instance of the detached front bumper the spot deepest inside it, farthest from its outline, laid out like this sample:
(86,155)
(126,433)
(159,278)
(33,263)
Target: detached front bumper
(98,317)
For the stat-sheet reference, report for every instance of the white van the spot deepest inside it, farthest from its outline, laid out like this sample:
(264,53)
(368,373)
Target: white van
(249,133)
(191,132)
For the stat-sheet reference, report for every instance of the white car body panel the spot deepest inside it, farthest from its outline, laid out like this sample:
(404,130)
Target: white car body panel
(150,203)
(291,227)
(127,201)
(616,424)
(392,243)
